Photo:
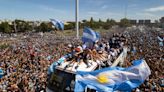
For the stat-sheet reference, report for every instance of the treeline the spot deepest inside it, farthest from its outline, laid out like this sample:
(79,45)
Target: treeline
(36,26)
(105,24)
(99,24)
(24,26)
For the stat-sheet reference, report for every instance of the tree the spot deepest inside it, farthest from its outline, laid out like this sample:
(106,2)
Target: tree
(22,26)
(44,27)
(107,21)
(91,22)
(124,23)
(69,26)
(162,22)
(94,24)
(98,24)
(112,22)
(100,21)
(84,21)
(5,27)
(157,23)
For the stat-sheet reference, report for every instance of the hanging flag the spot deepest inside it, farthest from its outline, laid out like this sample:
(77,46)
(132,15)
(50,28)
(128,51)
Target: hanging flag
(90,36)
(1,73)
(56,63)
(113,78)
(58,24)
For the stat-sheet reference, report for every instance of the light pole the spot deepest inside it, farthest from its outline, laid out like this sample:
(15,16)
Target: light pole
(77,18)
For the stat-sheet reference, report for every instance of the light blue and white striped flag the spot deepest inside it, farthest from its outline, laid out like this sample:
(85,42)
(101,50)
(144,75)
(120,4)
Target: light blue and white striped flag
(113,78)
(160,39)
(89,35)
(54,64)
(58,24)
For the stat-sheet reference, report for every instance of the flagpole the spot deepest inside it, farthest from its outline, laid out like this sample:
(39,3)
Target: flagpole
(77,19)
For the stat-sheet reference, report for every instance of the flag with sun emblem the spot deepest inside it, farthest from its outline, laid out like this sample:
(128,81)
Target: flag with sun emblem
(113,78)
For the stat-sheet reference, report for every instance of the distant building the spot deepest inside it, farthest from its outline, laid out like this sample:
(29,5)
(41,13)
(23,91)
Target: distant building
(133,22)
(147,22)
(141,22)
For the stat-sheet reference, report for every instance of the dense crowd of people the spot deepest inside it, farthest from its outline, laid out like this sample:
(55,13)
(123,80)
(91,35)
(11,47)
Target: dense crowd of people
(102,50)
(145,45)
(26,58)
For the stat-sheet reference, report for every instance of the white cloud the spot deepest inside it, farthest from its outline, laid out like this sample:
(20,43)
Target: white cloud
(155,9)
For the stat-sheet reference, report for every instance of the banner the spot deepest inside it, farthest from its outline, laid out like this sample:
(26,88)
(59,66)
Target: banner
(58,24)
(89,35)
(113,78)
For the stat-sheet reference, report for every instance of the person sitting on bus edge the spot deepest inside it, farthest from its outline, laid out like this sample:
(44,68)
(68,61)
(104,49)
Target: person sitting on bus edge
(71,52)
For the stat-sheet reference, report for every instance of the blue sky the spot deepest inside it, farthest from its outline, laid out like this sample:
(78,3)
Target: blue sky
(65,9)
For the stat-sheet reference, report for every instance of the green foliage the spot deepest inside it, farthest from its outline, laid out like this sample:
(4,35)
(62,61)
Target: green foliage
(91,22)
(106,26)
(85,23)
(25,26)
(22,26)
(112,22)
(109,23)
(94,24)
(44,27)
(70,25)
(5,27)
(98,24)
(124,23)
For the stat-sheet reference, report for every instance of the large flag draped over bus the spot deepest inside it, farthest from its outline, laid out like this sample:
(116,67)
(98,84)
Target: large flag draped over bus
(113,78)
(1,73)
(58,24)
(89,35)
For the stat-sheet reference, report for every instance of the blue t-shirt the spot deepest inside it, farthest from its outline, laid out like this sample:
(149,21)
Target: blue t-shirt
(1,73)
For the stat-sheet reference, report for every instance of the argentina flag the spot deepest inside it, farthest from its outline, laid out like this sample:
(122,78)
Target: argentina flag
(89,35)
(160,39)
(56,63)
(113,78)
(58,24)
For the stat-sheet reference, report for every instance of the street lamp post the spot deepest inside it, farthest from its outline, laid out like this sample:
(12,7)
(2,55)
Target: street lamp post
(77,18)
